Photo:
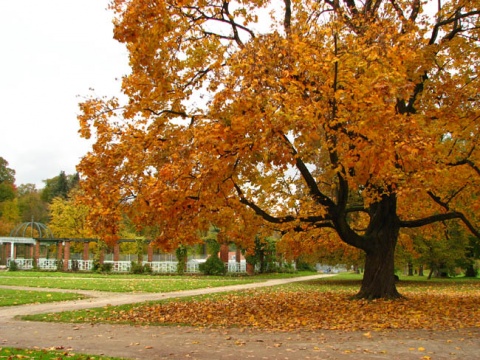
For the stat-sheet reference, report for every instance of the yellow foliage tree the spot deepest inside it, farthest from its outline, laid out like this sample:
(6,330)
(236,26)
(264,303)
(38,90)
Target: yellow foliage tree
(69,219)
(298,116)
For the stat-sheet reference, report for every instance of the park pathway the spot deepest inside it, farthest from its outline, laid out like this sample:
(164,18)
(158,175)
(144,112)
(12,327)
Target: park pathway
(181,342)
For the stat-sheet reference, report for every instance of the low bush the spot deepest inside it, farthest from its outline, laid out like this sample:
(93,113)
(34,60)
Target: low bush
(213,266)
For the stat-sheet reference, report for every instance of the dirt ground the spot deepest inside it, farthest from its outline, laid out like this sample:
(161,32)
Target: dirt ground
(168,342)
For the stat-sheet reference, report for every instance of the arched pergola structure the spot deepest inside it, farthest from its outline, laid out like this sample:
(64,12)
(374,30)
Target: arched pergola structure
(31,229)
(34,234)
(28,234)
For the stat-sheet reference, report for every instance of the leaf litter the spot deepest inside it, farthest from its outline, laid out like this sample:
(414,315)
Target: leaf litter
(284,310)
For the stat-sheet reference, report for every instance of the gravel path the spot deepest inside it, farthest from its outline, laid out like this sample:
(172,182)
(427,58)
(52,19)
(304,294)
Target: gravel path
(170,342)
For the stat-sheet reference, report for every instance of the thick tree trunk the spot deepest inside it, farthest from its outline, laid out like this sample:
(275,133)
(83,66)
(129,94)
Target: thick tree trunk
(381,235)
(378,278)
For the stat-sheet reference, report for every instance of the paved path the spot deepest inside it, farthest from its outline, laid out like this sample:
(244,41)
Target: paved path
(170,342)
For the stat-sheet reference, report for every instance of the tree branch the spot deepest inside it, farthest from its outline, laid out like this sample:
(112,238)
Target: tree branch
(309,179)
(453,19)
(315,220)
(466,162)
(441,217)
(288,16)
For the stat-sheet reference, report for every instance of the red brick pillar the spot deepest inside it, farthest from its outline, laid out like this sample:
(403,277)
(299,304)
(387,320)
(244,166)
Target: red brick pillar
(59,250)
(37,252)
(102,256)
(224,253)
(250,269)
(85,251)
(116,252)
(238,255)
(150,253)
(66,255)
(8,250)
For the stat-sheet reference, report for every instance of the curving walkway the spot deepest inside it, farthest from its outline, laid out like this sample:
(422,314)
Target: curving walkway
(169,342)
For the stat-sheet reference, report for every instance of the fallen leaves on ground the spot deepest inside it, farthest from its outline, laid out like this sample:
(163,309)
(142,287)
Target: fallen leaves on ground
(289,310)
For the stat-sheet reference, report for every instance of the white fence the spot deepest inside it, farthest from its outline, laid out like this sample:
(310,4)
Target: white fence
(23,264)
(167,267)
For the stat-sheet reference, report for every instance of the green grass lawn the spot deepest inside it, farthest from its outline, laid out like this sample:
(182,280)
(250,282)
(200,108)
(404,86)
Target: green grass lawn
(10,297)
(13,353)
(127,282)
(331,291)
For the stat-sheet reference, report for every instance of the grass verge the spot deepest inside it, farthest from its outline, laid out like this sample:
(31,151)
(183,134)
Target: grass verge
(47,354)
(10,297)
(128,283)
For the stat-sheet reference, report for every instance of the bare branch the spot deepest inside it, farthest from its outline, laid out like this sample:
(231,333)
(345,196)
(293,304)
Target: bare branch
(317,221)
(456,29)
(288,16)
(466,162)
(441,217)
(309,179)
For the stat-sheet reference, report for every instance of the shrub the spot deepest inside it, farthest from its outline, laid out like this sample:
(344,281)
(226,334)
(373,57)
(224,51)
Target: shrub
(75,266)
(102,268)
(182,257)
(213,266)
(305,266)
(12,266)
(138,268)
(59,265)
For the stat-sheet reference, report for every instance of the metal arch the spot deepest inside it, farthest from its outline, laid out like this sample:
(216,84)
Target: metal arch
(21,230)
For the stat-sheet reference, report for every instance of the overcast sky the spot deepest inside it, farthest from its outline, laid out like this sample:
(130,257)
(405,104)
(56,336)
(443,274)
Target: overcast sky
(51,52)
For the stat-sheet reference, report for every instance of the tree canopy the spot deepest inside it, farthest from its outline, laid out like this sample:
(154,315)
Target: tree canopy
(302,116)
(7,181)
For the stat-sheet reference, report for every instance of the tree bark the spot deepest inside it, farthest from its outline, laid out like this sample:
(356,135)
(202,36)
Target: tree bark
(381,238)
(378,278)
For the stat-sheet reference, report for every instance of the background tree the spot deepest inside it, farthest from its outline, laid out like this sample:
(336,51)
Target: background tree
(31,205)
(6,174)
(59,186)
(443,251)
(294,116)
(9,214)
(68,219)
(7,181)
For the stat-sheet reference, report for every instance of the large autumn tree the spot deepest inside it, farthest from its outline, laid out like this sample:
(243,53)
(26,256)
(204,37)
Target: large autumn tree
(303,115)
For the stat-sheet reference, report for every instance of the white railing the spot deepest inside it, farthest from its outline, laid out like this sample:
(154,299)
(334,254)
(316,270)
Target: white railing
(120,266)
(83,265)
(168,267)
(237,267)
(193,267)
(22,264)
(47,264)
(163,266)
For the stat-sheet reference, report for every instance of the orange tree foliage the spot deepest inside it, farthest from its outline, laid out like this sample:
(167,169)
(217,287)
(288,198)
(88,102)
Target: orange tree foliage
(299,115)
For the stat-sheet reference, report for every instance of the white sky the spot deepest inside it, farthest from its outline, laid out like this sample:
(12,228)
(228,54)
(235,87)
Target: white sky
(52,51)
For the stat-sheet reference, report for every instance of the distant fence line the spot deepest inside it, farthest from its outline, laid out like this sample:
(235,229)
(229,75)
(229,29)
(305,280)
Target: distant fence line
(161,267)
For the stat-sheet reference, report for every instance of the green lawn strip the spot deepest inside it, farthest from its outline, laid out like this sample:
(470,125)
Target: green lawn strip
(126,285)
(47,354)
(10,297)
(131,283)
